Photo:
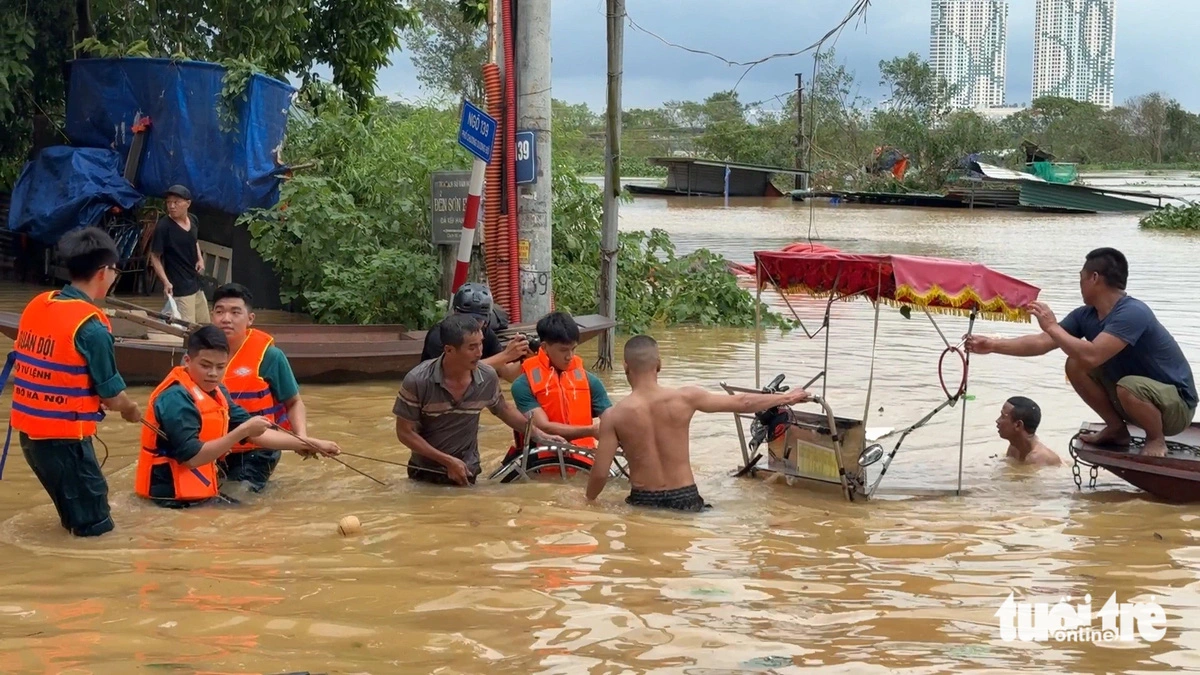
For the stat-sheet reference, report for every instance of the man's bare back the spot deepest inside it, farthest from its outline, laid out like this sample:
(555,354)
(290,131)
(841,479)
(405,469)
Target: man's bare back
(652,427)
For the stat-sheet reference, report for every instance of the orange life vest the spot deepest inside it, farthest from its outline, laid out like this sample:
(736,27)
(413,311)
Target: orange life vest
(565,397)
(248,388)
(53,395)
(191,484)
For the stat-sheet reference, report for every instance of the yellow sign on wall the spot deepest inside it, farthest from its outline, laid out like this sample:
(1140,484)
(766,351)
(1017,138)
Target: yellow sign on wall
(523,251)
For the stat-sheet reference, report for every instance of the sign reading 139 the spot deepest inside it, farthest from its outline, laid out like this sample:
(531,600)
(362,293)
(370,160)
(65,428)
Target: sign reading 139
(526,156)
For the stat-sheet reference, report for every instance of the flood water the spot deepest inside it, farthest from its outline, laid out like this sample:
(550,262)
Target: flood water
(527,578)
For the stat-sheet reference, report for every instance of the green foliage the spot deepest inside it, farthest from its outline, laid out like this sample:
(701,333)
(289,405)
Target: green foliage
(235,86)
(350,236)
(655,285)
(16,44)
(1171,217)
(113,50)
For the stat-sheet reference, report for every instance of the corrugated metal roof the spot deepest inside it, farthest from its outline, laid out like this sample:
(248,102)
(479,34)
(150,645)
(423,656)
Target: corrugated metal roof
(1077,198)
(994,172)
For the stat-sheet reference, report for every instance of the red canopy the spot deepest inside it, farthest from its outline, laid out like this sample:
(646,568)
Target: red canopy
(946,286)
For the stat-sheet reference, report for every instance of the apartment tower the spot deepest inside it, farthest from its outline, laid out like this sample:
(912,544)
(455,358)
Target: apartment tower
(1073,50)
(967,48)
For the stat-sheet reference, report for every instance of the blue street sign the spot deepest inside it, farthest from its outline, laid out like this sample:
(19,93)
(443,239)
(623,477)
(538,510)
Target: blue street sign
(526,157)
(476,132)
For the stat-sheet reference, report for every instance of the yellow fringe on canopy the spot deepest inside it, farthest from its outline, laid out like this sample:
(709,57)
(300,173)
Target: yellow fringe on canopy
(993,310)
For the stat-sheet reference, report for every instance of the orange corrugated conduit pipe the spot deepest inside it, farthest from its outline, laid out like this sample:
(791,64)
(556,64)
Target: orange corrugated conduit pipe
(495,227)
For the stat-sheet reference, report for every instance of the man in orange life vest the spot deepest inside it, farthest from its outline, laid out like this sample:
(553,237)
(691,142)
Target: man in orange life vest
(192,423)
(65,374)
(563,398)
(260,379)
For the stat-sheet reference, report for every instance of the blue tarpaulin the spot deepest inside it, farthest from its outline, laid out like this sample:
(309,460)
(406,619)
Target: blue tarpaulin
(230,171)
(64,188)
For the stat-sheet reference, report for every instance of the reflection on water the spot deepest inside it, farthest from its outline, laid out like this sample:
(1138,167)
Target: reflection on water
(530,579)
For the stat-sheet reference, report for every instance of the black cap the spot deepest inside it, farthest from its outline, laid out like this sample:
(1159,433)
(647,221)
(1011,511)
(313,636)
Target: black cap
(179,191)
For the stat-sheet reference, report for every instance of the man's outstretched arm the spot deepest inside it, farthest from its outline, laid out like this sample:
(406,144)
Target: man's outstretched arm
(606,449)
(710,402)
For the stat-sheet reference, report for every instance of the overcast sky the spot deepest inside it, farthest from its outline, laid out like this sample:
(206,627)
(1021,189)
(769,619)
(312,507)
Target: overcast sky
(1155,48)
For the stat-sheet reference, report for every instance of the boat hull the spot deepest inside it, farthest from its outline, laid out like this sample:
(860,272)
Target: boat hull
(318,353)
(1174,478)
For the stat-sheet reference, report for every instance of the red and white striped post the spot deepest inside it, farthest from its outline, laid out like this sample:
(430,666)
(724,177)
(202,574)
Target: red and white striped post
(470,218)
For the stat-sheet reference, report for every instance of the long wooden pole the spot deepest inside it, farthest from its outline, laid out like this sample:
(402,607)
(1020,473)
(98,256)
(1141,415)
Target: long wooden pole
(612,178)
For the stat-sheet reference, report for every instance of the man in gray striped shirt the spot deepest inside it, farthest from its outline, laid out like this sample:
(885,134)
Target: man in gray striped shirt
(437,410)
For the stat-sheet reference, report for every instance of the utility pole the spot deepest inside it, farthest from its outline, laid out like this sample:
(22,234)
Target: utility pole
(612,178)
(801,181)
(533,114)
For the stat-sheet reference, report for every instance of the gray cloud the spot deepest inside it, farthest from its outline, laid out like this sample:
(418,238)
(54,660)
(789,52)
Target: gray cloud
(1153,44)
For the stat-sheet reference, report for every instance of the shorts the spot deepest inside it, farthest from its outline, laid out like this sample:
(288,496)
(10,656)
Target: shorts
(193,308)
(1176,415)
(69,472)
(254,467)
(686,498)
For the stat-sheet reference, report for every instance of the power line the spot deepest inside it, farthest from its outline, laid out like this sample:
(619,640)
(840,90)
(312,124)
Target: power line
(857,10)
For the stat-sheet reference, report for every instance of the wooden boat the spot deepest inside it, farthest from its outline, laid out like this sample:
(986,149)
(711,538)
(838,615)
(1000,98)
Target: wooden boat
(1174,478)
(318,353)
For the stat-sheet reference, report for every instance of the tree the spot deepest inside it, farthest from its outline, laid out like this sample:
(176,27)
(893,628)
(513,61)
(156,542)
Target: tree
(449,49)
(915,88)
(1149,121)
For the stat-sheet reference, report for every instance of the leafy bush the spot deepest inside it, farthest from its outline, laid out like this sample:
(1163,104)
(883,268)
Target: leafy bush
(349,237)
(1172,217)
(654,284)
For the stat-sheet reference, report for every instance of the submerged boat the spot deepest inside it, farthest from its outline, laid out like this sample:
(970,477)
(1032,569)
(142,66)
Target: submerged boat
(1174,478)
(318,353)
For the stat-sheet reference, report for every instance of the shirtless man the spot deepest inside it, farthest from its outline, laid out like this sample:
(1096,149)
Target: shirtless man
(1017,424)
(652,426)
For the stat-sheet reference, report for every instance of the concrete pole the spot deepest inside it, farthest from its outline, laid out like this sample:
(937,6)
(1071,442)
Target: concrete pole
(534,208)
(612,179)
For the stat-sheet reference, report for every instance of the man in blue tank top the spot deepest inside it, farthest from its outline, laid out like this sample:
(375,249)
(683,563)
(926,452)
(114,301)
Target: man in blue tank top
(1123,363)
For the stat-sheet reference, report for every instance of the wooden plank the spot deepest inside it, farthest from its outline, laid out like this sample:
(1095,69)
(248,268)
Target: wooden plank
(218,261)
(146,321)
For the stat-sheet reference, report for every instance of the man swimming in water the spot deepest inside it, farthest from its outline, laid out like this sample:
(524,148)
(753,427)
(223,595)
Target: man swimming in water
(1017,424)
(652,425)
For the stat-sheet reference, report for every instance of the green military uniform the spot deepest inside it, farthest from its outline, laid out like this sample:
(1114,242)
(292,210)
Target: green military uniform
(256,466)
(67,468)
(179,418)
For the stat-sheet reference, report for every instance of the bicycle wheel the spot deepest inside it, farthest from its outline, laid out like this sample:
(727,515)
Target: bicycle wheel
(544,464)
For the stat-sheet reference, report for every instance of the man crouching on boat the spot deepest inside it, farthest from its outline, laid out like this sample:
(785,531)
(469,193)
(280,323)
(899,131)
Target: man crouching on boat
(1121,361)
(1018,424)
(260,379)
(438,407)
(652,425)
(191,423)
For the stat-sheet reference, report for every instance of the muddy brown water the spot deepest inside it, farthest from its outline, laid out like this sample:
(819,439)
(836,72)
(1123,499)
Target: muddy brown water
(530,579)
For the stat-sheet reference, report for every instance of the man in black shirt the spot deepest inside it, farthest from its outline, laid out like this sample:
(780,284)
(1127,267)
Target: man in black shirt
(476,300)
(175,256)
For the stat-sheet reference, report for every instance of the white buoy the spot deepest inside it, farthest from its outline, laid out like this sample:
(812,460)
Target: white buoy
(349,525)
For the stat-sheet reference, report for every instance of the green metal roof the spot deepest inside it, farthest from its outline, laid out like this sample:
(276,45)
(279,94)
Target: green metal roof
(1078,198)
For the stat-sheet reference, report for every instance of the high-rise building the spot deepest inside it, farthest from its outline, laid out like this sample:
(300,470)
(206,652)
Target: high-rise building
(967,48)
(1073,50)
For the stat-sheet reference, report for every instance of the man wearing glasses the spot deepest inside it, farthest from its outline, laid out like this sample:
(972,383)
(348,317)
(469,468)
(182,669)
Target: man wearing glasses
(176,258)
(64,375)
